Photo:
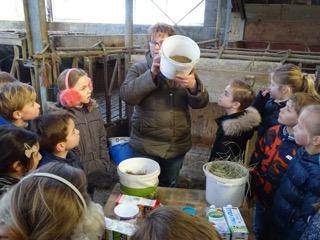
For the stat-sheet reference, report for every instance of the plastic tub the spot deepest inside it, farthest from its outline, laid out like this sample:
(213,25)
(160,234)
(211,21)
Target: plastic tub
(181,46)
(223,191)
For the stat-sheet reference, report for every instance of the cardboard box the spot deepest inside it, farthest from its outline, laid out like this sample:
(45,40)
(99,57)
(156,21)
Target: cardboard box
(118,230)
(236,224)
(216,217)
(145,205)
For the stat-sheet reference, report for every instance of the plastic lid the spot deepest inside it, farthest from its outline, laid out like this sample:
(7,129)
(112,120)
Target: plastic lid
(126,211)
(190,210)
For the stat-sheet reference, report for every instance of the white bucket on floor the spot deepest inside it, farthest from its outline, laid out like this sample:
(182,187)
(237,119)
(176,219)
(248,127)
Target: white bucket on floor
(223,191)
(139,185)
(181,46)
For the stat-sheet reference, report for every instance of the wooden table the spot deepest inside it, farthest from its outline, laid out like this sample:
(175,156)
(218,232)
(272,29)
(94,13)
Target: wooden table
(178,197)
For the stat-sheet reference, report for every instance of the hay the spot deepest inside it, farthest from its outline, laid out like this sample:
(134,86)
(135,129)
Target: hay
(225,169)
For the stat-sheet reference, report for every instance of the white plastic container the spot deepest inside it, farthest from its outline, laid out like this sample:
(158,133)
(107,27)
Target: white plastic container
(182,46)
(132,182)
(126,211)
(222,191)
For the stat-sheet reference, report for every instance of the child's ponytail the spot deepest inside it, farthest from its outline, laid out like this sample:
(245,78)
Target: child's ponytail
(308,85)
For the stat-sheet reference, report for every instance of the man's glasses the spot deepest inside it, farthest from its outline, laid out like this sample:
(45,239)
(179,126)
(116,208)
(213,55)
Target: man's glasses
(155,43)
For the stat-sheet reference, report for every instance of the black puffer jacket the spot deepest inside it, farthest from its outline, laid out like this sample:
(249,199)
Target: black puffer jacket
(232,134)
(161,119)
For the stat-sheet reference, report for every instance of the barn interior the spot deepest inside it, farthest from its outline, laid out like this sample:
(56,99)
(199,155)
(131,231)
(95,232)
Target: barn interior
(239,39)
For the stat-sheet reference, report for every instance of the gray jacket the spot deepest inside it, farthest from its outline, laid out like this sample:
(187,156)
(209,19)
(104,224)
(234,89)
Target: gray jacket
(92,149)
(161,120)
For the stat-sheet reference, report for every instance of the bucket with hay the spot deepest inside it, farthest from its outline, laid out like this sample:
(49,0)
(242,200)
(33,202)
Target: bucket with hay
(225,183)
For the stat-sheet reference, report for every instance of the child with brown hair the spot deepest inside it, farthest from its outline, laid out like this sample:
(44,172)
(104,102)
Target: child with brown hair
(75,96)
(238,124)
(6,78)
(18,104)
(51,203)
(171,224)
(273,155)
(57,137)
(298,192)
(285,80)
(19,153)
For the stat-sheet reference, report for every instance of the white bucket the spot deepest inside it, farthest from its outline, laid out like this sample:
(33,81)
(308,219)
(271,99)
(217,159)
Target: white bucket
(182,46)
(222,191)
(139,185)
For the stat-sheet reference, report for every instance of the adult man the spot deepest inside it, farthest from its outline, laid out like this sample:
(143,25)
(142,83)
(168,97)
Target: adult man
(161,119)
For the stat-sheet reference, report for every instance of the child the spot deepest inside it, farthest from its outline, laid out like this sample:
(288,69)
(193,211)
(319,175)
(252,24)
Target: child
(285,80)
(51,203)
(6,78)
(19,153)
(57,137)
(276,148)
(237,126)
(18,104)
(75,95)
(171,224)
(299,187)
(312,231)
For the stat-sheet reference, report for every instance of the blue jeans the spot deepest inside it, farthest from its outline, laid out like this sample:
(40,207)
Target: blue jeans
(170,168)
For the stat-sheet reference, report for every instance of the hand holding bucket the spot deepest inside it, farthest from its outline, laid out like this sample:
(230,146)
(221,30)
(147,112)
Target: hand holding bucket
(179,54)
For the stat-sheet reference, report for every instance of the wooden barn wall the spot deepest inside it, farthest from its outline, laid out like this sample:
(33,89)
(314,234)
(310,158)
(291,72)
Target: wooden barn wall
(283,23)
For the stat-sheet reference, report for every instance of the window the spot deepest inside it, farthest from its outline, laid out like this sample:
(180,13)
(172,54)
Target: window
(89,11)
(11,10)
(152,11)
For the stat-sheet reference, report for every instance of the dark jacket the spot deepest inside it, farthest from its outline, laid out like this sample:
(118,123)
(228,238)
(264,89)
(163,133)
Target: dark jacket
(72,159)
(269,111)
(233,132)
(6,182)
(92,149)
(275,151)
(4,121)
(313,228)
(161,120)
(299,190)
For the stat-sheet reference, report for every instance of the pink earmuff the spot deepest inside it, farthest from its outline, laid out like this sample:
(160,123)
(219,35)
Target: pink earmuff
(69,97)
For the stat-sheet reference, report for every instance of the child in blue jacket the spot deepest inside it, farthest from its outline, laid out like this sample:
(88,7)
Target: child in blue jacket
(299,190)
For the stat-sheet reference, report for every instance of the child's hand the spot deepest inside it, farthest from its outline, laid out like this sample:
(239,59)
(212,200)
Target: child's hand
(265,91)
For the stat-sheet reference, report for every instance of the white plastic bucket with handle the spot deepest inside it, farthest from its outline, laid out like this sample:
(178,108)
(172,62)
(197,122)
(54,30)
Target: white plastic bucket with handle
(178,45)
(223,191)
(139,185)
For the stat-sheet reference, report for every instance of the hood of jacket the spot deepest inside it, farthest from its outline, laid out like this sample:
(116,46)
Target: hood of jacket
(249,120)
(91,224)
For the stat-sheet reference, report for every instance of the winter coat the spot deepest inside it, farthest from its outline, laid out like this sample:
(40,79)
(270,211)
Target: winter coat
(90,225)
(161,124)
(6,182)
(4,121)
(273,154)
(92,149)
(72,159)
(299,190)
(233,132)
(269,111)
(313,230)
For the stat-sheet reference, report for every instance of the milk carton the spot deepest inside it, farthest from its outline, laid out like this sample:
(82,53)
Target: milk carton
(236,224)
(116,229)
(216,217)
